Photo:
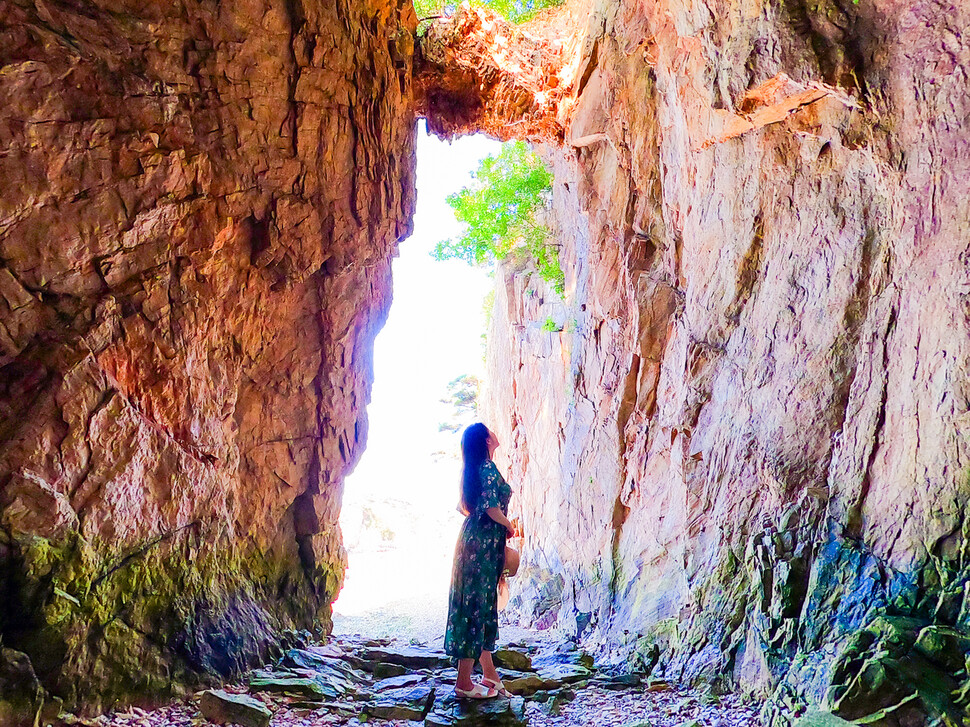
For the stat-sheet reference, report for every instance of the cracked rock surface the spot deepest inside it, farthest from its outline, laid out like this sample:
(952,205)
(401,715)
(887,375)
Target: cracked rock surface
(742,436)
(200,204)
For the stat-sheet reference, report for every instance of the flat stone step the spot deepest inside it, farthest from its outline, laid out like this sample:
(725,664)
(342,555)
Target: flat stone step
(450,711)
(412,657)
(293,685)
(224,707)
(410,703)
(512,659)
(564,673)
(398,682)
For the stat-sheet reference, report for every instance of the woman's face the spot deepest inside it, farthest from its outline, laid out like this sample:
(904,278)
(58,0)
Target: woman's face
(491,443)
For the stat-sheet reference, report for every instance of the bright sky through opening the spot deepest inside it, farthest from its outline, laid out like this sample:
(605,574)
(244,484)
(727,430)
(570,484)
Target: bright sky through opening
(398,517)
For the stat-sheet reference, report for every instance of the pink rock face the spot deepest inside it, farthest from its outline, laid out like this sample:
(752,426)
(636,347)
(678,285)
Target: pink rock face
(200,203)
(751,435)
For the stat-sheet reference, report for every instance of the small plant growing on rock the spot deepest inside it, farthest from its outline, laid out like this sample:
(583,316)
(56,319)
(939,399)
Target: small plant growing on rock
(551,326)
(500,212)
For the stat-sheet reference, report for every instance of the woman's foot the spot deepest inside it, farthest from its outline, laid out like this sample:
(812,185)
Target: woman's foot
(497,685)
(477,691)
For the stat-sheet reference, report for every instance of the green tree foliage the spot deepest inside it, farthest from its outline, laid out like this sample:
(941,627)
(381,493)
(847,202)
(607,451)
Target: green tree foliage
(462,398)
(499,210)
(515,11)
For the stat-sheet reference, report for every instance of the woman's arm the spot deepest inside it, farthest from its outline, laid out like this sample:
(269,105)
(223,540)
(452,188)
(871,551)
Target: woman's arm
(498,516)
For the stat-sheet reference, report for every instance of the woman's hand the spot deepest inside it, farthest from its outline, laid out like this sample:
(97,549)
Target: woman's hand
(498,516)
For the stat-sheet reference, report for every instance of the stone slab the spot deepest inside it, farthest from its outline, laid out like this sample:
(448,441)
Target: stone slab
(223,707)
(449,711)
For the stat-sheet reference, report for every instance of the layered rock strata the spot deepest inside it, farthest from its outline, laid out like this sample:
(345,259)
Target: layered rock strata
(200,203)
(745,446)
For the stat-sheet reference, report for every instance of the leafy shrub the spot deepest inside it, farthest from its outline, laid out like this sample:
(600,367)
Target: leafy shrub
(515,11)
(499,210)
(551,326)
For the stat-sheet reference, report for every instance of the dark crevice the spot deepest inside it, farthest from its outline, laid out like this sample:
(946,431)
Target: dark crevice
(853,522)
(297,16)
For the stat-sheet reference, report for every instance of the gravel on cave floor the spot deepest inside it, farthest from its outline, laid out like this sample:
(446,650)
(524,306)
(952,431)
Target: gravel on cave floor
(594,706)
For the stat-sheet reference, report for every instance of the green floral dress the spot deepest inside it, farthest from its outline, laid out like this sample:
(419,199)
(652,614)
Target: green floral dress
(473,603)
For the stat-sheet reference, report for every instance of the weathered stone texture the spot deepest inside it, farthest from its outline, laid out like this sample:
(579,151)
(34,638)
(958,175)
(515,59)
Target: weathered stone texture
(752,435)
(477,73)
(199,206)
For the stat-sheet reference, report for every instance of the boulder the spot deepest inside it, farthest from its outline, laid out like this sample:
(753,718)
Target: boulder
(383,670)
(550,703)
(511,659)
(223,707)
(333,674)
(316,659)
(449,711)
(344,709)
(616,681)
(398,682)
(410,703)
(411,657)
(563,673)
(293,685)
(527,684)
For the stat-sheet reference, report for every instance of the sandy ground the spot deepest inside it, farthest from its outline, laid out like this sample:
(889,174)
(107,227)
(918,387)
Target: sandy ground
(399,566)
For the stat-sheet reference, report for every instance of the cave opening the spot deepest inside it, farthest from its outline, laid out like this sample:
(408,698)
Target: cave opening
(398,514)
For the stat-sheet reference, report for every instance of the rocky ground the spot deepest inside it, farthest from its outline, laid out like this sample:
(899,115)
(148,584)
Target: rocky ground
(352,681)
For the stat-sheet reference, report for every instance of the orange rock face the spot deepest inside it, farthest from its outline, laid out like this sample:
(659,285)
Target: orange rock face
(749,439)
(199,207)
(477,73)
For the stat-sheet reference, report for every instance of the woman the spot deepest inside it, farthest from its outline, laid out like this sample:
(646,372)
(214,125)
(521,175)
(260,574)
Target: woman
(472,607)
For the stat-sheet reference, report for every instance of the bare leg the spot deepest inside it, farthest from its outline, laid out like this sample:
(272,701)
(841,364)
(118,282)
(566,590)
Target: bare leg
(488,668)
(465,667)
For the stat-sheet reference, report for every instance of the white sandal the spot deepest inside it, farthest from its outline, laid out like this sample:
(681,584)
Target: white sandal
(478,691)
(498,686)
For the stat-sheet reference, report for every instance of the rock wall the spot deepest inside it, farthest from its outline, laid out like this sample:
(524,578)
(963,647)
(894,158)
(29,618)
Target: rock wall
(746,452)
(200,203)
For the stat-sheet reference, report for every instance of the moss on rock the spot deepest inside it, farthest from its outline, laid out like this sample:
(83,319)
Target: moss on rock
(170,613)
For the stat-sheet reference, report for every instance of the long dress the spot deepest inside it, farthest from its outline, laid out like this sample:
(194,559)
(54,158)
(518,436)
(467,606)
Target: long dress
(473,602)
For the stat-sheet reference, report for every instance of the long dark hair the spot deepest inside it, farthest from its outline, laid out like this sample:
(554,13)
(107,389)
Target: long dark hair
(474,451)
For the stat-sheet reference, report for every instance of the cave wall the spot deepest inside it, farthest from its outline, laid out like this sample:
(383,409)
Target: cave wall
(747,450)
(199,206)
